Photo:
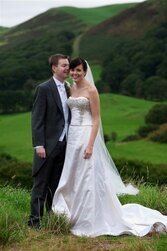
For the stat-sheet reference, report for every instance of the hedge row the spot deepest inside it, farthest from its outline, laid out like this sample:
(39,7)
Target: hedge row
(18,173)
(141,171)
(14,172)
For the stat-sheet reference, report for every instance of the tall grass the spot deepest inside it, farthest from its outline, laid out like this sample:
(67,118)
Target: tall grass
(149,196)
(55,231)
(13,214)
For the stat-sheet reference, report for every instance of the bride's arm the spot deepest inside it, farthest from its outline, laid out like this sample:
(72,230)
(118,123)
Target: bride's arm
(95,111)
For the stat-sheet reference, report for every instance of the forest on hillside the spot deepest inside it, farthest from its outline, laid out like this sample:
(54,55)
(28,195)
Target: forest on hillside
(138,68)
(131,52)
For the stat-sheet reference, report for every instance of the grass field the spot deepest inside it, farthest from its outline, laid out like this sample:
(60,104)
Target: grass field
(120,114)
(55,236)
(124,115)
(15,133)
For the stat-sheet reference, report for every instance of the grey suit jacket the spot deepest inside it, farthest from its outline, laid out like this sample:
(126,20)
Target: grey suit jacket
(47,120)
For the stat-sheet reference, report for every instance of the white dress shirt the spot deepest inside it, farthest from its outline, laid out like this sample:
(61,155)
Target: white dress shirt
(63,97)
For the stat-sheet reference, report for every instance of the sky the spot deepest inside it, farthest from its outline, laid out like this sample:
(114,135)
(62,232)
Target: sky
(13,12)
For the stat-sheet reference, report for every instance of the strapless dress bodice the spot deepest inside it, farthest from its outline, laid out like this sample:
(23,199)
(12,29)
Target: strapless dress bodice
(80,111)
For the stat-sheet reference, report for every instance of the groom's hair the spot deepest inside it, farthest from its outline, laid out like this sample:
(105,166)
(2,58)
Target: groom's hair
(54,59)
(78,61)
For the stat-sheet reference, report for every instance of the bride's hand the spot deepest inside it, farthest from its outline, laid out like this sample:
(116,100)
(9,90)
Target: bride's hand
(88,152)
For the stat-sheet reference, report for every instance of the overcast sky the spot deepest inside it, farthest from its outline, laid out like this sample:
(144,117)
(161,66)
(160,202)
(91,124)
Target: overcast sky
(13,12)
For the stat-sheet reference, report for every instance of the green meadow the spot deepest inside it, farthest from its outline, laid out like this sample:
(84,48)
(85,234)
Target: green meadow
(16,135)
(120,114)
(55,232)
(123,116)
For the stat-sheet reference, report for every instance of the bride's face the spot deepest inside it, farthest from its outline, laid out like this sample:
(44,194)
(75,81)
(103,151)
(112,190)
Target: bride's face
(77,73)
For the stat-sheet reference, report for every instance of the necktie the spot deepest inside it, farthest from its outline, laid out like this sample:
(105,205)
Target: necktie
(63,99)
(61,87)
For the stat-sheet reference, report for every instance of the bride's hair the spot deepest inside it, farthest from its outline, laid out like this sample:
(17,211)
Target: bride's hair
(78,61)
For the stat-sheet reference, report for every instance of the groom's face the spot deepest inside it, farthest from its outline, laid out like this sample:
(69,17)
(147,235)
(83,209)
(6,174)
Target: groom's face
(61,70)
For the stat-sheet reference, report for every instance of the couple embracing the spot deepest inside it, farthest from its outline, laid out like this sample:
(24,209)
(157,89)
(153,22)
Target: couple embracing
(72,169)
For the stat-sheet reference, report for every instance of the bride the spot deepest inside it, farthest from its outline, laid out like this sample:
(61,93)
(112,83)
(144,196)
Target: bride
(89,184)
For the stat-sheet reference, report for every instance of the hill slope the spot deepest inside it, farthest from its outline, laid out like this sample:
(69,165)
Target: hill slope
(27,46)
(131,23)
(131,48)
(128,47)
(3,29)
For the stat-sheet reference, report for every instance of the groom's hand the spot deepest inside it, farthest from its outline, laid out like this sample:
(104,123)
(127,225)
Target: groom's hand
(41,152)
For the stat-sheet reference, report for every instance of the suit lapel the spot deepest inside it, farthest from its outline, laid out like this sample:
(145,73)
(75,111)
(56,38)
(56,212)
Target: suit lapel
(67,87)
(55,94)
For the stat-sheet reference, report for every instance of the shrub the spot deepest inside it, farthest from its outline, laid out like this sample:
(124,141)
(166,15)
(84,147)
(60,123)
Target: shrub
(145,172)
(131,138)
(106,138)
(143,131)
(160,135)
(114,136)
(14,172)
(157,115)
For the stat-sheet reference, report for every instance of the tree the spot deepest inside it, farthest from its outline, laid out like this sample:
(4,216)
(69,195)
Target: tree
(157,115)
(155,88)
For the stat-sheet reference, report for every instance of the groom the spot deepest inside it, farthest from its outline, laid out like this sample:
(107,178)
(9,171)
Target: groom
(50,119)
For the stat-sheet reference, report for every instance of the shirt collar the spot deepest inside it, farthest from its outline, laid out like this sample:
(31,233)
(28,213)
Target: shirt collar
(58,82)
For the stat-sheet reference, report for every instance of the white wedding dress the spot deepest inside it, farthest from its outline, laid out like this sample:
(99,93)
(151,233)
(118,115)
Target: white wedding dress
(88,187)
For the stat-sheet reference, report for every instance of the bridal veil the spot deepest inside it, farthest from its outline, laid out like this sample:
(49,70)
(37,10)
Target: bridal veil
(117,183)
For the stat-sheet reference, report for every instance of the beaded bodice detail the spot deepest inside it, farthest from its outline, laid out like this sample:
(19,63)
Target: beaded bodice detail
(80,111)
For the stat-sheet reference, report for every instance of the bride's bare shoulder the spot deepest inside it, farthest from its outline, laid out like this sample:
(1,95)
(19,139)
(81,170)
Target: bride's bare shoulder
(92,89)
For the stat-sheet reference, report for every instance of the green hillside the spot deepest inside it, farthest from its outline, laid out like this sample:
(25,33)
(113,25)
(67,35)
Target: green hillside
(131,23)
(3,29)
(120,114)
(27,46)
(93,16)
(131,49)
(126,44)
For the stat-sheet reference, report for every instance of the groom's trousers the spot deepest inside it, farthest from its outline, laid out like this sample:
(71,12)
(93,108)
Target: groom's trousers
(46,182)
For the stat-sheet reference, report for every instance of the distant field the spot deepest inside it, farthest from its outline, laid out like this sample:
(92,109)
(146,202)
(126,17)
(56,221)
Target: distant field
(15,136)
(140,150)
(120,114)
(124,115)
